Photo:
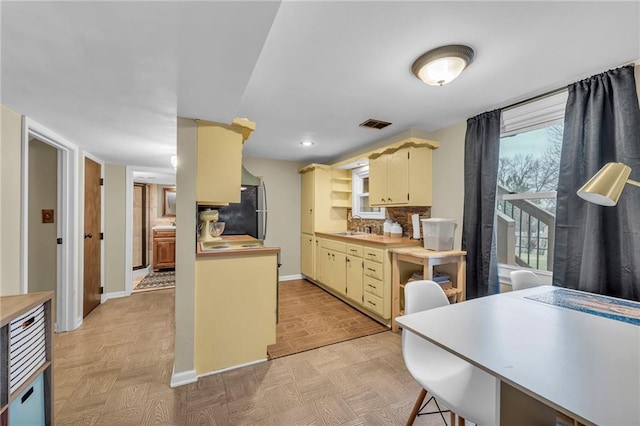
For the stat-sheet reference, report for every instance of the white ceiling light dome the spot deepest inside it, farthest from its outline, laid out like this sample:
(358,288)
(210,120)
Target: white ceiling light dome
(444,64)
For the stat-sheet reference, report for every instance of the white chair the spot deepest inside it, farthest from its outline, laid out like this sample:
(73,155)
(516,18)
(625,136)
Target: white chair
(463,388)
(524,279)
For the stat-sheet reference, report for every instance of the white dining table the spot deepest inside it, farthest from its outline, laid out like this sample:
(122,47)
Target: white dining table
(545,357)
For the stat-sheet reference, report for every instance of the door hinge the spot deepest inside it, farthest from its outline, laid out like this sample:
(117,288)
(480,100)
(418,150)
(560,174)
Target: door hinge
(362,298)
(101,181)
(409,155)
(58,240)
(101,290)
(102,235)
(407,196)
(363,264)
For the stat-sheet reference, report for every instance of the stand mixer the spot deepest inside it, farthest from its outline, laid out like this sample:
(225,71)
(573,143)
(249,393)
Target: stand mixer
(210,228)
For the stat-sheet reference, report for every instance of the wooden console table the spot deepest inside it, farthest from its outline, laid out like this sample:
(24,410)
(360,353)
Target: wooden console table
(407,260)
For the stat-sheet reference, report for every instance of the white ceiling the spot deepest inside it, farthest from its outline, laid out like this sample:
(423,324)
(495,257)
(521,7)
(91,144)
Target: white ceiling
(112,76)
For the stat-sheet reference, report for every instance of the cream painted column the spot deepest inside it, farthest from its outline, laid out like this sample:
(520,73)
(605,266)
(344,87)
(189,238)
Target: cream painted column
(184,370)
(448,176)
(10,210)
(115,208)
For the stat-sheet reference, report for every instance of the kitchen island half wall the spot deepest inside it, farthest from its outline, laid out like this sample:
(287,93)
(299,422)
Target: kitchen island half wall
(235,307)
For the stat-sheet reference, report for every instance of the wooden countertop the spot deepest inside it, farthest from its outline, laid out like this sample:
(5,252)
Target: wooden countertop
(14,306)
(234,245)
(373,239)
(421,252)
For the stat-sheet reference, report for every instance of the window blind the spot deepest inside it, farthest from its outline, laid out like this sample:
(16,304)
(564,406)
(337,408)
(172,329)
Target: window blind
(534,115)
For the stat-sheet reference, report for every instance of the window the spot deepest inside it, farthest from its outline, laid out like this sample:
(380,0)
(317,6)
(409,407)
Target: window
(360,196)
(530,146)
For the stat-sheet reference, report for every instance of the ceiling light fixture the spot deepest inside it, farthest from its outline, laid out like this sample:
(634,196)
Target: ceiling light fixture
(444,64)
(306,143)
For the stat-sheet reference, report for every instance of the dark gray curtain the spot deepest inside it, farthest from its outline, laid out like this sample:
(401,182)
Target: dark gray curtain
(598,248)
(481,155)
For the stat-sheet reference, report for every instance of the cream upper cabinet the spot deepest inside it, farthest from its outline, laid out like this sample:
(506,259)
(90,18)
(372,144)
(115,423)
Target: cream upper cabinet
(219,162)
(401,178)
(317,210)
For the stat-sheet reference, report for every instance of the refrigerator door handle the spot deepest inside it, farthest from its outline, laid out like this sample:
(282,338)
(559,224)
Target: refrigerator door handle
(264,213)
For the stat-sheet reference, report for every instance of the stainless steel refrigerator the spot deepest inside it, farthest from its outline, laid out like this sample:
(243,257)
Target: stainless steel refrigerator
(249,217)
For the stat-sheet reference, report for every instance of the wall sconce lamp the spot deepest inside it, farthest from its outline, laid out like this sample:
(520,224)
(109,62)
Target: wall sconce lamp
(605,187)
(444,64)
(174,162)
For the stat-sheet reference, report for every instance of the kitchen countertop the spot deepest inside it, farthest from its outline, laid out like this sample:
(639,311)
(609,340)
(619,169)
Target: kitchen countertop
(233,245)
(373,239)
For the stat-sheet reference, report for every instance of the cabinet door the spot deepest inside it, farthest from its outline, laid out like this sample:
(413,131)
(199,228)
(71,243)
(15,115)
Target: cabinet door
(378,180)
(164,253)
(219,165)
(307,255)
(354,279)
(307,198)
(398,177)
(323,266)
(338,272)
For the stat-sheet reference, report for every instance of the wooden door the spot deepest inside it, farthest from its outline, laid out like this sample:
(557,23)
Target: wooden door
(354,278)
(398,177)
(92,209)
(378,180)
(307,197)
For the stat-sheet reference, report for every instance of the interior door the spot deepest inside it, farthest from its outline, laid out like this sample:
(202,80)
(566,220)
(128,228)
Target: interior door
(92,209)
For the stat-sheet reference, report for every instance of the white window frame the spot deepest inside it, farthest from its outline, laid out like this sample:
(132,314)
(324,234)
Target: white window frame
(357,177)
(530,116)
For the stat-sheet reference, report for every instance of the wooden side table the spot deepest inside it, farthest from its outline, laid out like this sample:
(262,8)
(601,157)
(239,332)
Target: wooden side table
(408,260)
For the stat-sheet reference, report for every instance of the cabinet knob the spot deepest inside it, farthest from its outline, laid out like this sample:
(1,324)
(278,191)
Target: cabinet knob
(389,199)
(381,199)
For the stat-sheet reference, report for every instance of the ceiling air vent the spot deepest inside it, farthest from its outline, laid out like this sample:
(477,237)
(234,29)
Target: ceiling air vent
(375,124)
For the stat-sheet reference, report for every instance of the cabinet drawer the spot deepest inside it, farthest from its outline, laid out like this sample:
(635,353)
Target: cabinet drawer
(164,233)
(373,286)
(373,254)
(334,245)
(27,351)
(373,269)
(373,303)
(353,250)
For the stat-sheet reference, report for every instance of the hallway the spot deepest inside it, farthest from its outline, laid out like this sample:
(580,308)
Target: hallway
(116,368)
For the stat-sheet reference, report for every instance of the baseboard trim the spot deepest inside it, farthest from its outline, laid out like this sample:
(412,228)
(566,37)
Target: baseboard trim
(183,378)
(291,277)
(235,367)
(113,295)
(77,324)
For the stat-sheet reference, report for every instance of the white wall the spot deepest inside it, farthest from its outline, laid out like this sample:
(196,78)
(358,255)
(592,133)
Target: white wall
(10,204)
(115,181)
(282,183)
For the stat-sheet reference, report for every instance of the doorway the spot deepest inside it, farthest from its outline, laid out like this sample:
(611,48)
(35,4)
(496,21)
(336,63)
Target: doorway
(37,214)
(43,219)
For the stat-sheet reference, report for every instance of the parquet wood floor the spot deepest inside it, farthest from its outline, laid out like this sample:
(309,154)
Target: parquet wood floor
(311,318)
(116,368)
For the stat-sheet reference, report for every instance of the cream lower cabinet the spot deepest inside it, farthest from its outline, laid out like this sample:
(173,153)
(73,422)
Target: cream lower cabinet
(307,255)
(360,273)
(331,266)
(355,266)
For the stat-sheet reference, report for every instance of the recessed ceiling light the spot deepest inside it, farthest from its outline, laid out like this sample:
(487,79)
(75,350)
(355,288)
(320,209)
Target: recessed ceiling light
(306,143)
(444,64)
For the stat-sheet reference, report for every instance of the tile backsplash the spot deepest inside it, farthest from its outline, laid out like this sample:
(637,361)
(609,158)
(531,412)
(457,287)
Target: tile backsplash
(402,215)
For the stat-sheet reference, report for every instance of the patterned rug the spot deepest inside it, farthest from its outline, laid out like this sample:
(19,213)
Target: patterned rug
(157,280)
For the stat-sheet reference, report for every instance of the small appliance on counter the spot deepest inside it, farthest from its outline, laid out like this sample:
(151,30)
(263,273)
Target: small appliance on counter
(209,227)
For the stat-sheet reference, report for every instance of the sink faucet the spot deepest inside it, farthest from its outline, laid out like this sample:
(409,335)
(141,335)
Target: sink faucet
(359,228)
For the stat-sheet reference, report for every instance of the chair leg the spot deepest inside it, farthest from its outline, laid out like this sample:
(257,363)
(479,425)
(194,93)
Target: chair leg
(461,421)
(416,407)
(453,419)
